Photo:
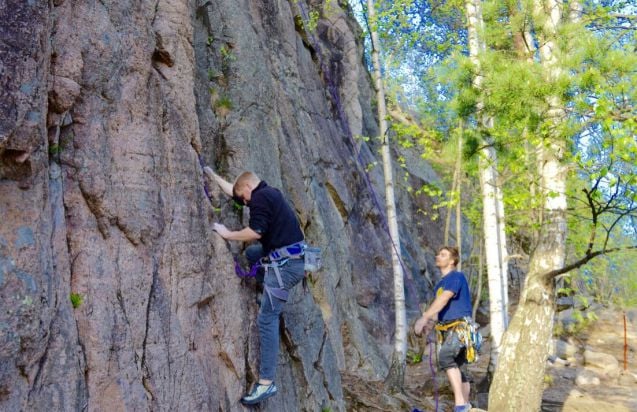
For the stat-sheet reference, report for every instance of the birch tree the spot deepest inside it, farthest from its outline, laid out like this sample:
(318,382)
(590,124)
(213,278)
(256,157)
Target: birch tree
(492,201)
(396,374)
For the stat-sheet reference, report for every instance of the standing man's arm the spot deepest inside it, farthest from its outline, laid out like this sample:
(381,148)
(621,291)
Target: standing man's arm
(438,304)
(225,186)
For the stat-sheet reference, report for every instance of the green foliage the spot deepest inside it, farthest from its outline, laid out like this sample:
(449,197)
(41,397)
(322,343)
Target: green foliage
(362,138)
(224,102)
(237,207)
(548,380)
(413,357)
(76,300)
(310,22)
(580,322)
(227,57)
(610,279)
(55,149)
(593,88)
(213,74)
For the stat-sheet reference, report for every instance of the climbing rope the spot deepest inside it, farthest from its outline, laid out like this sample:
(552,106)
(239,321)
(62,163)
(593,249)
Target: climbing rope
(244,273)
(205,184)
(433,370)
(333,91)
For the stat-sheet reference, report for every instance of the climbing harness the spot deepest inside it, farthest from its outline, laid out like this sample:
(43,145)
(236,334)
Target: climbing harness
(468,335)
(291,251)
(311,256)
(278,258)
(281,292)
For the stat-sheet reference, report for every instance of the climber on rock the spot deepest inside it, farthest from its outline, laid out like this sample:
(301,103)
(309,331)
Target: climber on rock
(274,224)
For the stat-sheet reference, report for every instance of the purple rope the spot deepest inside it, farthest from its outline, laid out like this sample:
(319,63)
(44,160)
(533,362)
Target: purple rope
(205,184)
(433,370)
(243,273)
(333,90)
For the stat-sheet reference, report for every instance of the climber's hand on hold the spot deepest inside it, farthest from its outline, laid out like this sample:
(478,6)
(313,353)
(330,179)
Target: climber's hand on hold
(225,186)
(221,230)
(210,174)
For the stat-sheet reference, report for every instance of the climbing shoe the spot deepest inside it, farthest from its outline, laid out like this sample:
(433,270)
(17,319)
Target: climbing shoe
(462,408)
(259,394)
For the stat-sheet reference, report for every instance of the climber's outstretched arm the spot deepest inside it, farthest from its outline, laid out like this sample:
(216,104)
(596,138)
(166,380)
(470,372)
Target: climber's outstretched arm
(225,186)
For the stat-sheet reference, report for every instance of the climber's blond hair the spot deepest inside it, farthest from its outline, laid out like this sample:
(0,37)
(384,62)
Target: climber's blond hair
(245,177)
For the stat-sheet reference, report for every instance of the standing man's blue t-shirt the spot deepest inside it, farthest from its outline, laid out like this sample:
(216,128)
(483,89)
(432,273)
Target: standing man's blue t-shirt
(460,304)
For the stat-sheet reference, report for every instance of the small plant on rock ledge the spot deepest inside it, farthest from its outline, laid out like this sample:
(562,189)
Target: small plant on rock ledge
(227,57)
(214,74)
(223,106)
(76,300)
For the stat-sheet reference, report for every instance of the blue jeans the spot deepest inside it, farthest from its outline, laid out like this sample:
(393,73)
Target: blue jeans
(269,313)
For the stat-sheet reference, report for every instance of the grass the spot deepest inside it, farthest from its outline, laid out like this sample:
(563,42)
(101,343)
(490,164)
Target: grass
(76,300)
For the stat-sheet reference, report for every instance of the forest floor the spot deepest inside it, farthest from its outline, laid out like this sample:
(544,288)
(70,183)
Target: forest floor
(582,386)
(607,389)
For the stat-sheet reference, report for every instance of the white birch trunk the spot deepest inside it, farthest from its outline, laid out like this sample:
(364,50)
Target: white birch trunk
(395,378)
(476,301)
(492,202)
(458,200)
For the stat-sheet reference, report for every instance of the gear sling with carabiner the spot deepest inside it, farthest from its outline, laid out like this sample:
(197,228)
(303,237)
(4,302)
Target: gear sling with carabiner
(468,335)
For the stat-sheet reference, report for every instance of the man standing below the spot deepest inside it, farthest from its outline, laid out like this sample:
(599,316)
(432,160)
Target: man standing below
(274,224)
(452,309)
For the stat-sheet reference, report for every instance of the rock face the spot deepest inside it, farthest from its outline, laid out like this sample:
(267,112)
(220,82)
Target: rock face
(107,111)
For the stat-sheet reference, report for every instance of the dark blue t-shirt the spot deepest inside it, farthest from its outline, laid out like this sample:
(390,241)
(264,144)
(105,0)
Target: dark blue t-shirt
(459,305)
(273,218)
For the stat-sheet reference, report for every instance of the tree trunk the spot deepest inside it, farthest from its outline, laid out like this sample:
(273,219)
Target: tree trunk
(476,300)
(519,378)
(395,378)
(448,216)
(497,279)
(458,196)
(492,202)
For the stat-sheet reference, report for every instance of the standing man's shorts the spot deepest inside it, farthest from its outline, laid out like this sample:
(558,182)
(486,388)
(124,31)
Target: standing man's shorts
(452,354)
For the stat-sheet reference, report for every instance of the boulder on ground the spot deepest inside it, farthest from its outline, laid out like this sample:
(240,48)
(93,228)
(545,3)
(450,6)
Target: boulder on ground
(587,378)
(603,362)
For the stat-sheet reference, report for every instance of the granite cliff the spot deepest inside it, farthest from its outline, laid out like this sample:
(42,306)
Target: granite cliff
(109,108)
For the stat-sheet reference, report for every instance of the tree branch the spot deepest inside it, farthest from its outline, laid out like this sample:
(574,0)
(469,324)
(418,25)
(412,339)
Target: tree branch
(585,259)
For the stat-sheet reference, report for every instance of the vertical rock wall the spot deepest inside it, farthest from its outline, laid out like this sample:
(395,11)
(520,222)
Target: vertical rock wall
(109,106)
